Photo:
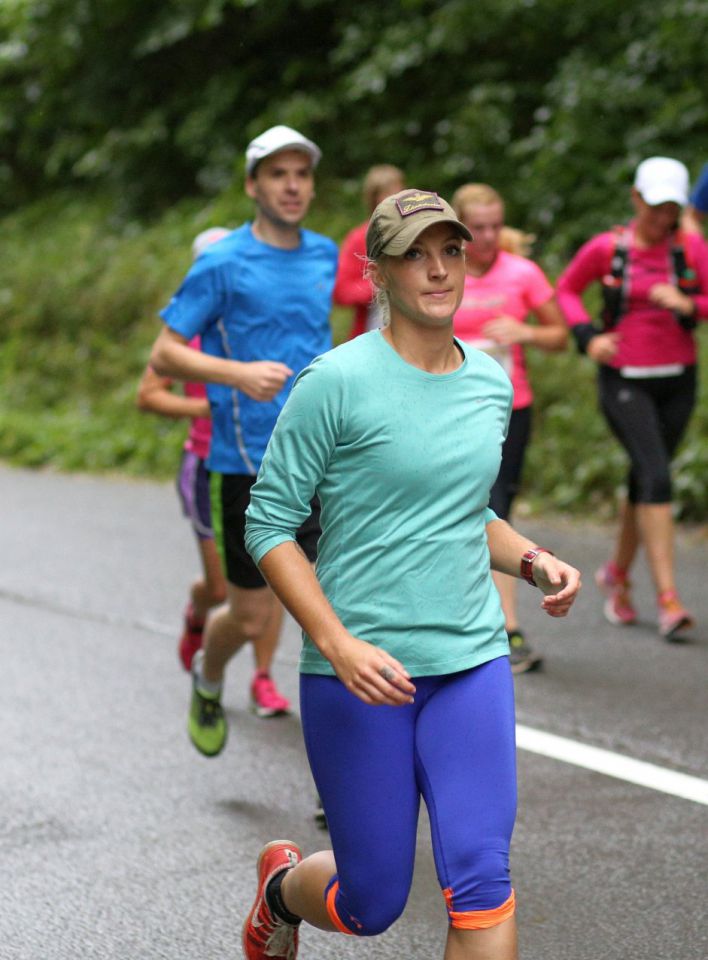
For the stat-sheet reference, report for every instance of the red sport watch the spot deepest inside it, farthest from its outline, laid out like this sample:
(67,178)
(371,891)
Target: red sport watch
(527,563)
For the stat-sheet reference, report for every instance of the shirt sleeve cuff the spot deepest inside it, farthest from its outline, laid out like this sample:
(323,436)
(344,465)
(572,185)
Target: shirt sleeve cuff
(259,546)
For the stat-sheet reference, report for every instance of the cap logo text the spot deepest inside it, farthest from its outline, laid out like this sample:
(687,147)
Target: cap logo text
(418,200)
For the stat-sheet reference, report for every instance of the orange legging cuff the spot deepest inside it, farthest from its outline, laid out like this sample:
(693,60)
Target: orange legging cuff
(332,910)
(479,919)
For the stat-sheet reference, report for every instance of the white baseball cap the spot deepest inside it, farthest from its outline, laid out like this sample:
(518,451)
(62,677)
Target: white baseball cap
(662,180)
(276,139)
(206,238)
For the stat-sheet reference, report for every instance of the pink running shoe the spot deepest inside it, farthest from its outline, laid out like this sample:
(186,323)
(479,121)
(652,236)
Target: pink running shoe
(191,639)
(265,935)
(618,607)
(673,616)
(266,699)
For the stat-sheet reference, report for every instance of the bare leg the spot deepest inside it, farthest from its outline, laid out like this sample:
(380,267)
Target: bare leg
(507,594)
(656,524)
(265,645)
(627,538)
(303,889)
(243,620)
(494,943)
(210,590)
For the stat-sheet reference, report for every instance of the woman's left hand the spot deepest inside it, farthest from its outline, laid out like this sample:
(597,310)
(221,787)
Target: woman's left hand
(559,582)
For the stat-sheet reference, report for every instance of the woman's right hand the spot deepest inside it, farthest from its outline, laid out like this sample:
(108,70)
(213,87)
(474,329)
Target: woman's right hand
(603,347)
(370,673)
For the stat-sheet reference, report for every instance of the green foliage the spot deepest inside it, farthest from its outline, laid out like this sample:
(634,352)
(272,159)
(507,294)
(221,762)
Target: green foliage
(122,123)
(79,293)
(555,103)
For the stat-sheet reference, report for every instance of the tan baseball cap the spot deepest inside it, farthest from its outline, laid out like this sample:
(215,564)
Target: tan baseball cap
(400,219)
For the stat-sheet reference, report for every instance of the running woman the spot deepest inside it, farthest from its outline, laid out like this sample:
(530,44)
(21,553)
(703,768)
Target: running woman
(406,688)
(655,286)
(352,288)
(260,300)
(155,396)
(501,290)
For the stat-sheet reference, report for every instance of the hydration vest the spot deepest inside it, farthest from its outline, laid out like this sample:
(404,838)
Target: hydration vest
(615,283)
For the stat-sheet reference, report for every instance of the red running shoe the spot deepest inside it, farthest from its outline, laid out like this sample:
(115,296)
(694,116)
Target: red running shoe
(266,699)
(618,607)
(264,935)
(191,639)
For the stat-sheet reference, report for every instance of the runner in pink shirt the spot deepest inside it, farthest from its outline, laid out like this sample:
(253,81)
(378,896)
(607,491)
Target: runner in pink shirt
(501,290)
(655,290)
(352,288)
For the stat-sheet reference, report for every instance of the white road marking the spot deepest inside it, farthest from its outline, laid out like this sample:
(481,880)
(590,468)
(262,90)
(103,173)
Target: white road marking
(612,764)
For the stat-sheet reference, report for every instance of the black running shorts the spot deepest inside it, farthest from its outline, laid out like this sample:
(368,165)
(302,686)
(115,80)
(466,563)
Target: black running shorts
(230,495)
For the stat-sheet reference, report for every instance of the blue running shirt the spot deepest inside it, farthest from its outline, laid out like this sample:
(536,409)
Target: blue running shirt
(252,301)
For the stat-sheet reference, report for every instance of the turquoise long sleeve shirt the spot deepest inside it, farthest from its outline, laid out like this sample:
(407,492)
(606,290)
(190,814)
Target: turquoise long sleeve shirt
(402,461)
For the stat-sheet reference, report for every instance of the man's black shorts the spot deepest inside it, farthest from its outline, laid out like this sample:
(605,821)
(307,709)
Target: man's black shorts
(230,495)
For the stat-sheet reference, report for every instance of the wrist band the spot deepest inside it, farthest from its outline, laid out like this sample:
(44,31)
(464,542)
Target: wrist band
(527,563)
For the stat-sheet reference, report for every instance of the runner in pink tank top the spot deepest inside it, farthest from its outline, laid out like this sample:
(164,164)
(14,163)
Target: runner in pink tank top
(501,290)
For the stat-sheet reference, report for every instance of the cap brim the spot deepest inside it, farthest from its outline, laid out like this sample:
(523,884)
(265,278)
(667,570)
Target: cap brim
(314,155)
(410,232)
(663,195)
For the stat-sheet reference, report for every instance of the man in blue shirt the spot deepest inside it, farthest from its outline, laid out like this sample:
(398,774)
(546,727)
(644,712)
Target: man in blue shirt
(260,300)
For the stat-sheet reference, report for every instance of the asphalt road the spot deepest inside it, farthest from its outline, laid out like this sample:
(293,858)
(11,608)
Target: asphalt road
(119,841)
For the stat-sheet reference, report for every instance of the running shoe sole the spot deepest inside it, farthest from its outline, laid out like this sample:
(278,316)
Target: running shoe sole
(265,712)
(673,633)
(612,617)
(529,664)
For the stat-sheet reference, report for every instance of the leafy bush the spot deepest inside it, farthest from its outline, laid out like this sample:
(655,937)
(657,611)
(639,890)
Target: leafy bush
(80,288)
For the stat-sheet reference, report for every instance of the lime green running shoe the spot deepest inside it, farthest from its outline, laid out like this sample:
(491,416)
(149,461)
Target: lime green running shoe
(207,724)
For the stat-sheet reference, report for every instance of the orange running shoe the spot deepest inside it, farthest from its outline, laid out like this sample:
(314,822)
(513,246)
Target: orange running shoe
(265,936)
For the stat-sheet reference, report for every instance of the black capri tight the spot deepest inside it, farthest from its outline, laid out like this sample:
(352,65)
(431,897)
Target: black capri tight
(648,417)
(506,486)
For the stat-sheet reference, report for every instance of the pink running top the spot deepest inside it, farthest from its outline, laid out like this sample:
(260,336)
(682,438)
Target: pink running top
(513,286)
(199,437)
(650,336)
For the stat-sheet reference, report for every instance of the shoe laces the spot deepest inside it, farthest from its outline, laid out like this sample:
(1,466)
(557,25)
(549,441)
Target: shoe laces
(209,712)
(282,942)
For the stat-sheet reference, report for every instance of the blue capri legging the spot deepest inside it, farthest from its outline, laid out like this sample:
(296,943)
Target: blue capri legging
(455,746)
